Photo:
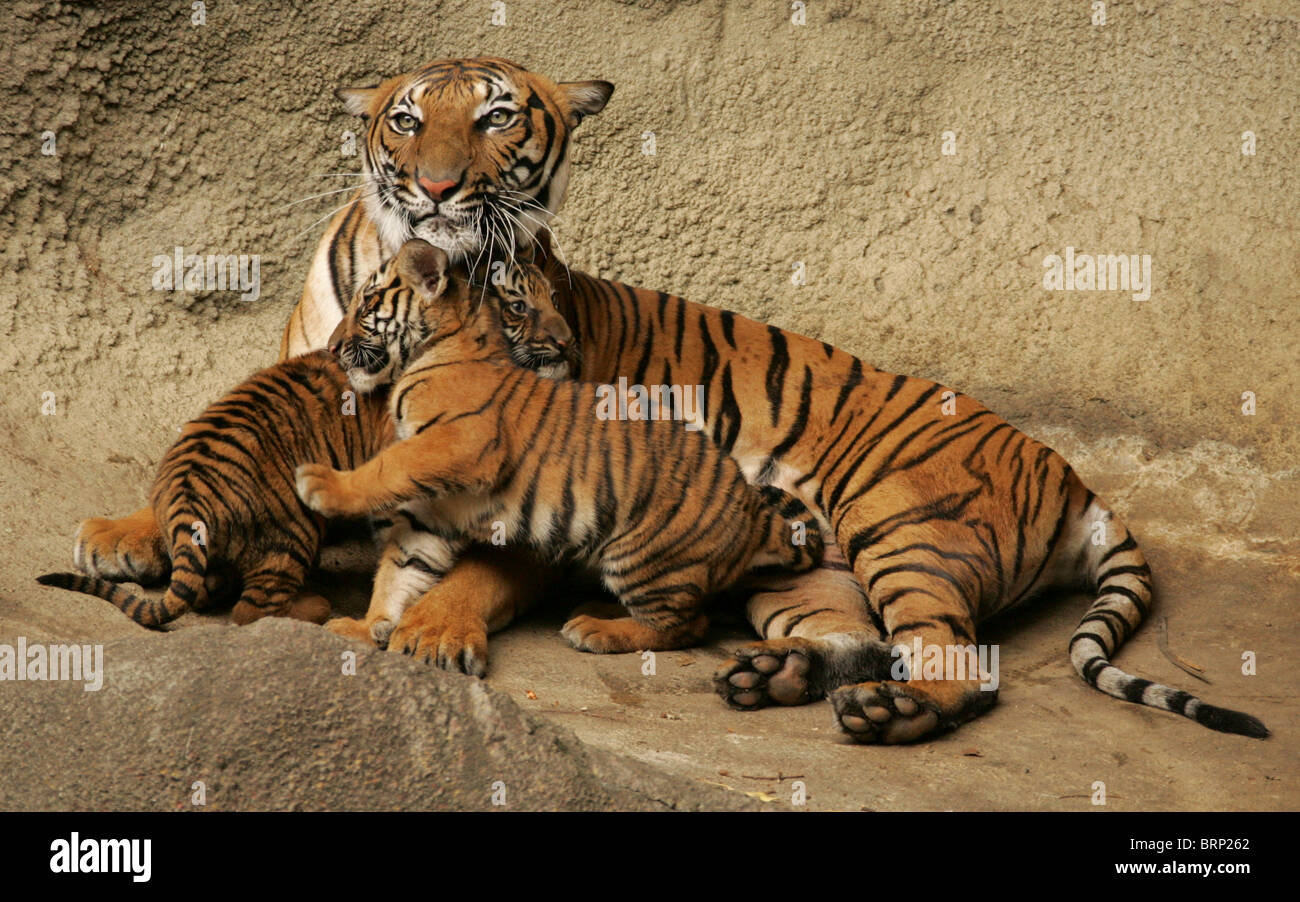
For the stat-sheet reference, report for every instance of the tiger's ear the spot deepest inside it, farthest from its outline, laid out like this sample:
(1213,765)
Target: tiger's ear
(357,100)
(423,267)
(584,98)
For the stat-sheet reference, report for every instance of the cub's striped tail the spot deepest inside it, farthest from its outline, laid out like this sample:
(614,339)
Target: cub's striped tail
(188,588)
(1122,581)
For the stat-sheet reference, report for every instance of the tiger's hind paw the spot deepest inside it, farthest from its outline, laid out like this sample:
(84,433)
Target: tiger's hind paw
(773,672)
(886,712)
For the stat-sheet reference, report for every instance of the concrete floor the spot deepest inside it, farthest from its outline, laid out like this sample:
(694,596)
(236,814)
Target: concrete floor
(1041,748)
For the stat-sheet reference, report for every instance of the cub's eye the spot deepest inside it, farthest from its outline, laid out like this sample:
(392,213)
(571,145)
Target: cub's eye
(518,308)
(405,122)
(499,117)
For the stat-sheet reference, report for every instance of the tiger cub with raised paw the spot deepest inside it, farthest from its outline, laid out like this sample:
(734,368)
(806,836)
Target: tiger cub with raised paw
(663,515)
(414,553)
(226,516)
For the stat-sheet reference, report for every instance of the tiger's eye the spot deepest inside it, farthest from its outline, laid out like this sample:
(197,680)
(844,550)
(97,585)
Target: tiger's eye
(499,116)
(405,121)
(518,308)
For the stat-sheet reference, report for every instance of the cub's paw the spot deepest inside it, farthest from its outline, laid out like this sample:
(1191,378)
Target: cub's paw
(318,486)
(351,628)
(126,550)
(885,712)
(310,608)
(599,636)
(595,627)
(772,672)
(450,639)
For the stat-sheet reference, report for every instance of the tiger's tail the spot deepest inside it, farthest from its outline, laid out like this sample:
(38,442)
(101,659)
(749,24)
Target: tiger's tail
(794,539)
(186,590)
(1122,580)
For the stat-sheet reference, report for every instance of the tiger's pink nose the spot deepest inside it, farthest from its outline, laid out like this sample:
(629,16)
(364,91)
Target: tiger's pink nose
(436,190)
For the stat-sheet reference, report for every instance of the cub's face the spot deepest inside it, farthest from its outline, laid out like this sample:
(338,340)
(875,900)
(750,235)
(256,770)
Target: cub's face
(537,333)
(418,296)
(470,155)
(403,303)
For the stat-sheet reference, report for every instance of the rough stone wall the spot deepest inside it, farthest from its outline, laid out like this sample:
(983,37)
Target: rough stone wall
(775,144)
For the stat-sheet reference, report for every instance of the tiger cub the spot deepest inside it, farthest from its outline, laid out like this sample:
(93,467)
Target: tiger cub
(224,497)
(664,516)
(414,555)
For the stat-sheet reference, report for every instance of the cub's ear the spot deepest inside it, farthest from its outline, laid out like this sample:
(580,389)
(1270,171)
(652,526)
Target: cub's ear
(537,251)
(357,100)
(584,98)
(423,267)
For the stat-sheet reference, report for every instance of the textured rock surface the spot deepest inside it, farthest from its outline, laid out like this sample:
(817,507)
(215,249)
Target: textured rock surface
(774,144)
(267,718)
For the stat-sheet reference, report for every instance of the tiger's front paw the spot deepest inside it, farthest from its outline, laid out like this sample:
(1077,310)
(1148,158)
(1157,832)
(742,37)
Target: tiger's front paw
(443,635)
(320,487)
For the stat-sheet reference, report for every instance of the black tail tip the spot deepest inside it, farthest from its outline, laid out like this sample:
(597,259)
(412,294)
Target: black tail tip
(58,580)
(1227,721)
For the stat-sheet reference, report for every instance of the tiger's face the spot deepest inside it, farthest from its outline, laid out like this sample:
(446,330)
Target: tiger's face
(470,155)
(538,335)
(398,308)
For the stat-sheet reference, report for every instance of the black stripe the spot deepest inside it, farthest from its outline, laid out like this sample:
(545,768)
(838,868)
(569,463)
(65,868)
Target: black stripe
(1141,570)
(853,381)
(762,630)
(1130,595)
(1136,686)
(800,418)
(776,370)
(902,627)
(795,621)
(1126,545)
(899,593)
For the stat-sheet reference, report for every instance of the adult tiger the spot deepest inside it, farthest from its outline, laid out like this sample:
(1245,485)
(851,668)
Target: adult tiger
(460,153)
(947,514)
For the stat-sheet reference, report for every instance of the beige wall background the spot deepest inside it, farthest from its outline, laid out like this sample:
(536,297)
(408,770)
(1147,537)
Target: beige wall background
(775,144)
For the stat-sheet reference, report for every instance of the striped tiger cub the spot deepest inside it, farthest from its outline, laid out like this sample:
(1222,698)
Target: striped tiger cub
(499,452)
(224,496)
(414,555)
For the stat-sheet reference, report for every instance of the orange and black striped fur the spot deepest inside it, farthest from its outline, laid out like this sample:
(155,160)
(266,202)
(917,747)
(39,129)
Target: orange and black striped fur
(225,498)
(659,511)
(944,513)
(941,513)
(415,555)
